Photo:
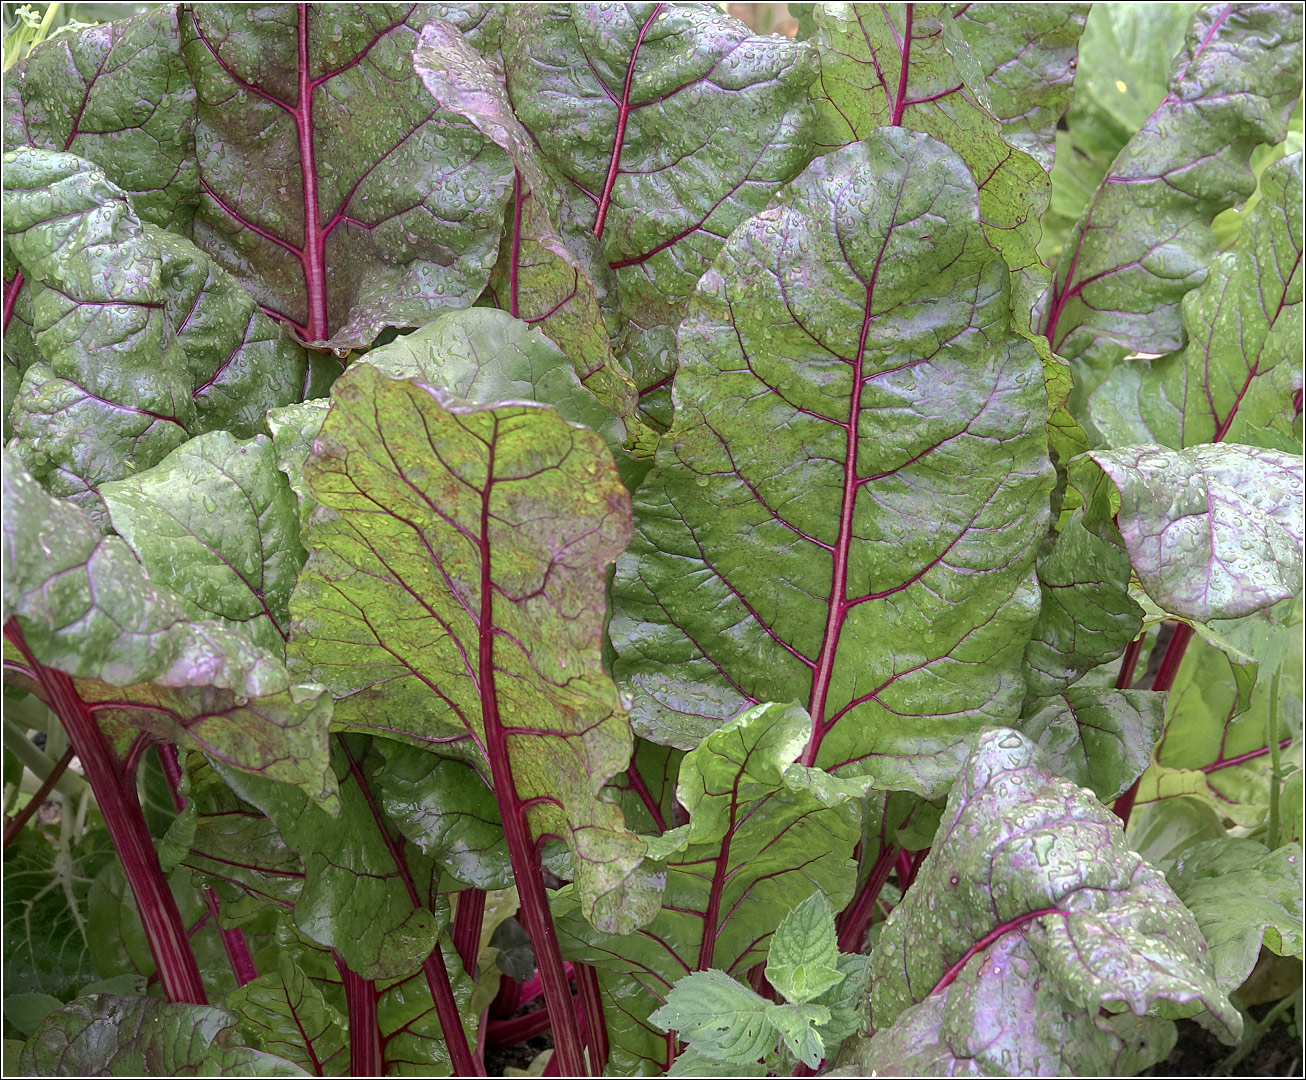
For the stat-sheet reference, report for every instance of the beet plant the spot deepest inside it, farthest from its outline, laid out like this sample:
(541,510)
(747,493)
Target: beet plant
(743,554)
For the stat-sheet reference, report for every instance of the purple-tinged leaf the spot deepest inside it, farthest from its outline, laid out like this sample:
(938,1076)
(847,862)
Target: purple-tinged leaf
(1238,377)
(667,126)
(1100,739)
(87,606)
(850,504)
(117,94)
(332,187)
(764,834)
(538,278)
(909,66)
(1026,56)
(106,1035)
(1213,531)
(494,526)
(1030,916)
(1145,239)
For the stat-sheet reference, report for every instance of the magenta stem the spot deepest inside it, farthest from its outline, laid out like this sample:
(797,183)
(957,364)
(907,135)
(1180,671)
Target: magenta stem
(468,916)
(856,920)
(595,1024)
(364,1030)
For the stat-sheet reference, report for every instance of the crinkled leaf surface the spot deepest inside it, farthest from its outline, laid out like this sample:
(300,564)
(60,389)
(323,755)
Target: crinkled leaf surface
(1026,55)
(456,596)
(1087,616)
(119,95)
(1236,377)
(667,125)
(1100,739)
(802,962)
(88,607)
(446,809)
(1145,239)
(1001,1018)
(850,504)
(392,218)
(107,1035)
(112,386)
(1212,531)
(1242,895)
(764,835)
(1031,879)
(217,523)
(910,66)
(283,1013)
(353,898)
(293,428)
(538,278)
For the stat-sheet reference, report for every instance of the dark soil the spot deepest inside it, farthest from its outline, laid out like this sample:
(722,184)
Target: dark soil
(1199,1053)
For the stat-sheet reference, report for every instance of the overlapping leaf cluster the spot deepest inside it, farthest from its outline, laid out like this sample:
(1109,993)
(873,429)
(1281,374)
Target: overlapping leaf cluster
(721,496)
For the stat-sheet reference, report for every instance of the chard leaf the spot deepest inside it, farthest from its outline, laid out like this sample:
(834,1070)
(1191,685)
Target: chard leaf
(851,401)
(283,1013)
(86,606)
(636,1047)
(1236,378)
(677,125)
(1100,739)
(293,429)
(353,899)
(446,809)
(1087,617)
(909,66)
(764,834)
(217,523)
(1026,56)
(413,1043)
(1031,894)
(1242,896)
(1145,240)
(116,94)
(47,928)
(499,523)
(537,278)
(393,218)
(802,962)
(1212,531)
(113,387)
(106,1035)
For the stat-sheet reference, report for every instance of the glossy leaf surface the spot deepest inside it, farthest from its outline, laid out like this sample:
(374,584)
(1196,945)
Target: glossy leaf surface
(849,507)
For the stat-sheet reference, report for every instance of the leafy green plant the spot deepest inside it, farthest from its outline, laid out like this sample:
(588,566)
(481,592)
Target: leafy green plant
(750,555)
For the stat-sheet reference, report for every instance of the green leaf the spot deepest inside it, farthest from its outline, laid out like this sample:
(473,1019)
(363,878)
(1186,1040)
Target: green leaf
(1087,616)
(662,148)
(445,808)
(1242,895)
(413,1043)
(283,1013)
(105,1035)
(886,579)
(846,1001)
(802,962)
(116,94)
(112,391)
(1026,57)
(764,834)
(293,429)
(353,898)
(912,67)
(500,524)
(217,523)
(25,1011)
(86,606)
(1032,895)
(798,1026)
(719,1017)
(1100,739)
(1212,531)
(404,202)
(1236,379)
(538,278)
(47,926)
(1145,239)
